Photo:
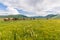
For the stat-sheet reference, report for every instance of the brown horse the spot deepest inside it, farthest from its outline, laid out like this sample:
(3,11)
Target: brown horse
(15,18)
(6,19)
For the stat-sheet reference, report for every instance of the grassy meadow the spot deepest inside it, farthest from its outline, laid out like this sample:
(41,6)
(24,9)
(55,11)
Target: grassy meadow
(30,30)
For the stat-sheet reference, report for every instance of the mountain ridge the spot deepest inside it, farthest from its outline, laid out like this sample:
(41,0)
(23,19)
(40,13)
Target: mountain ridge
(21,16)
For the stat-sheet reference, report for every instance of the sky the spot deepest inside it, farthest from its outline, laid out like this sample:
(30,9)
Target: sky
(29,7)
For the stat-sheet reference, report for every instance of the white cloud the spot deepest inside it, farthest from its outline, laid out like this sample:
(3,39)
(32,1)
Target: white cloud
(3,12)
(12,11)
(39,7)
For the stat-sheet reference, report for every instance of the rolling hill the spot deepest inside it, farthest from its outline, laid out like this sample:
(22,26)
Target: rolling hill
(21,16)
(56,17)
(50,16)
(13,16)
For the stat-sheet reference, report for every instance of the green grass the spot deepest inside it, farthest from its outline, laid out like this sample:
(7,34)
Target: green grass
(30,30)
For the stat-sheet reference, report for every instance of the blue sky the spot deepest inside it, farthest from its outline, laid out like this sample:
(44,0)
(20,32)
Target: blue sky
(22,12)
(2,6)
(30,7)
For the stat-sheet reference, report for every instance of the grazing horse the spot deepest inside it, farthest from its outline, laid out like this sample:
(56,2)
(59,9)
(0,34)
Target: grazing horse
(15,19)
(6,19)
(33,18)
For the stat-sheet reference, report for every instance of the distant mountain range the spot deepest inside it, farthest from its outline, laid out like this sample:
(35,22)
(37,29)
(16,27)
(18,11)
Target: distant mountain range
(21,16)
(48,16)
(13,16)
(56,17)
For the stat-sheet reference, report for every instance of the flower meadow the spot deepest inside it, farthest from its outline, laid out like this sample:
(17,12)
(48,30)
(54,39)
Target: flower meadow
(30,30)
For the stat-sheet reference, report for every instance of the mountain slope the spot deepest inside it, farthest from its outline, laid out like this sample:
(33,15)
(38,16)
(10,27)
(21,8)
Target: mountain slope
(13,16)
(57,17)
(21,16)
(50,16)
(38,17)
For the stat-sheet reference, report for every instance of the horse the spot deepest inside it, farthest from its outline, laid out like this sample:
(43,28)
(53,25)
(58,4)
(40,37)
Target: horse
(6,19)
(15,18)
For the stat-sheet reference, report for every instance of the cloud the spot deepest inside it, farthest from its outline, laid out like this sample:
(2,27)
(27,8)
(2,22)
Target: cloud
(38,7)
(12,11)
(7,10)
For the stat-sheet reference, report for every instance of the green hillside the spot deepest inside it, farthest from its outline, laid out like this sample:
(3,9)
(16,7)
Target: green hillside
(56,17)
(13,16)
(23,16)
(50,16)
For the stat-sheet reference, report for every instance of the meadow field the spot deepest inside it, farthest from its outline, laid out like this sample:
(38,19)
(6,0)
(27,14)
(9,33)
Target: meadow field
(30,30)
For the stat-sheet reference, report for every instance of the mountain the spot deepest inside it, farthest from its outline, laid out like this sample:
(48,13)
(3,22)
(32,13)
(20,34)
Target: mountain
(13,16)
(57,16)
(21,16)
(50,16)
(38,17)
